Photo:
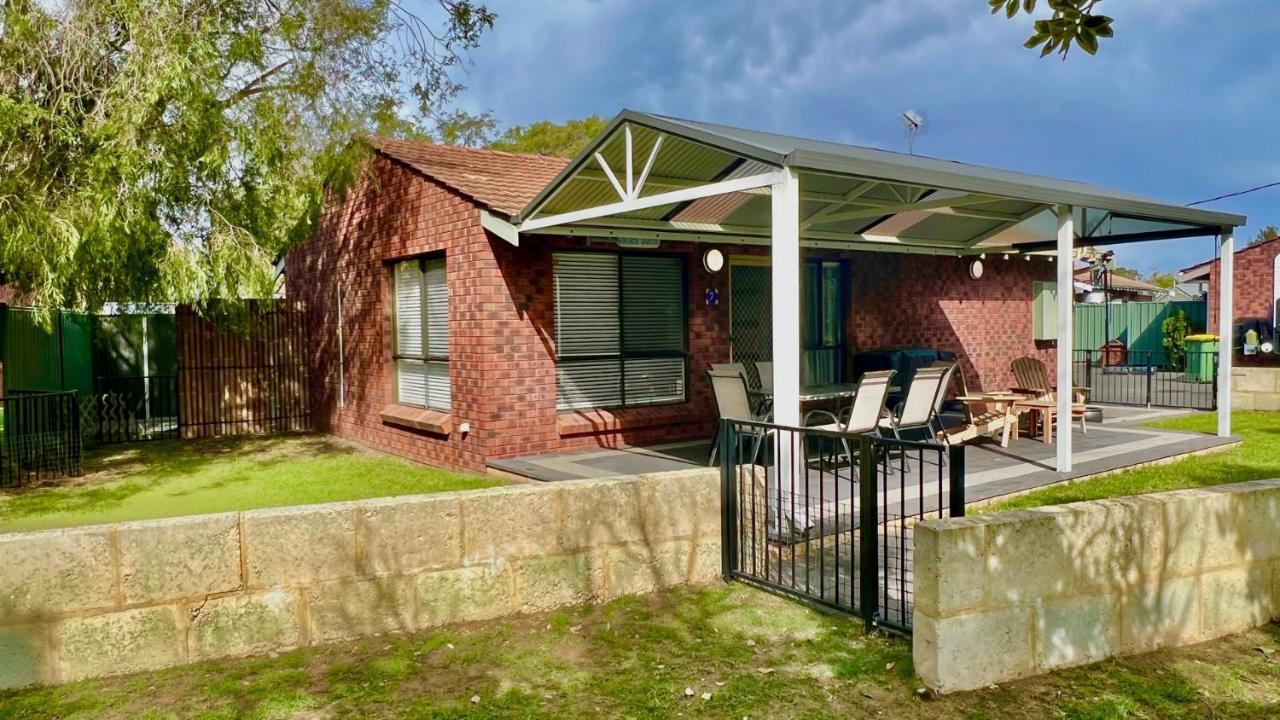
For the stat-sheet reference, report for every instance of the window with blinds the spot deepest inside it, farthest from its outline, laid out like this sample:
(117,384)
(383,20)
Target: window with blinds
(422,333)
(621,330)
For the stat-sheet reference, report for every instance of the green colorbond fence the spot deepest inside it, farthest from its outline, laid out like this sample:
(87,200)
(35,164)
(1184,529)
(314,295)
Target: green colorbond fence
(1138,324)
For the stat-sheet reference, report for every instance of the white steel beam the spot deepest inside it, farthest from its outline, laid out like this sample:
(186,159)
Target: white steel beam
(1226,326)
(1065,264)
(648,165)
(652,201)
(613,179)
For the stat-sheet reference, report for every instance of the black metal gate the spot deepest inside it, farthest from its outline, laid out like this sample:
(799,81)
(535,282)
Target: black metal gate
(828,517)
(1149,379)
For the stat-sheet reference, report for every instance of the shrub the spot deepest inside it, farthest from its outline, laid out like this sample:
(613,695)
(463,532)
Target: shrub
(1176,327)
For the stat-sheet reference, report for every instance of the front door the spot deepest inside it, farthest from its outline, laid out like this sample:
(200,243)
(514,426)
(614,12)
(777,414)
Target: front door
(822,302)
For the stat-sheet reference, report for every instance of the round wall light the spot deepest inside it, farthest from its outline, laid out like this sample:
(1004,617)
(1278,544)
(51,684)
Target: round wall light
(976,269)
(713,261)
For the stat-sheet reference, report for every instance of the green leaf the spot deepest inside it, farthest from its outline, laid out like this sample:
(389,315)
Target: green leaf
(1028,6)
(1087,42)
(1011,9)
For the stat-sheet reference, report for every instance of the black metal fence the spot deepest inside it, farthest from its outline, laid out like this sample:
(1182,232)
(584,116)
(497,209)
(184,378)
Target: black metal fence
(39,436)
(828,517)
(130,409)
(1149,378)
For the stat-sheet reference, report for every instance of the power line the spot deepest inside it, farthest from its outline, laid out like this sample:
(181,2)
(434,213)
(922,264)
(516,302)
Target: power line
(1236,194)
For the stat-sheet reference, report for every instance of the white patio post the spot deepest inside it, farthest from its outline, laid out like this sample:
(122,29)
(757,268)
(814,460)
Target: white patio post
(1066,341)
(785,251)
(1226,327)
(786,298)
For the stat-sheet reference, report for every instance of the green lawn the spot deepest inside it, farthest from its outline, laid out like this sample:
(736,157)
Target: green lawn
(165,478)
(1256,458)
(740,653)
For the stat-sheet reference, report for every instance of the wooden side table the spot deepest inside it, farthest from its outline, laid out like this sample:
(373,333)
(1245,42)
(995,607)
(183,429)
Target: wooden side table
(1045,411)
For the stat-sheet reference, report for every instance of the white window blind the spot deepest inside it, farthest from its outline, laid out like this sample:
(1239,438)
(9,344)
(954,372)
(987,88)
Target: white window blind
(422,333)
(620,330)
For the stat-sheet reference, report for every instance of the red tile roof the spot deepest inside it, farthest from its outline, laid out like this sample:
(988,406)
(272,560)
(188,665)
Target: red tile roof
(502,181)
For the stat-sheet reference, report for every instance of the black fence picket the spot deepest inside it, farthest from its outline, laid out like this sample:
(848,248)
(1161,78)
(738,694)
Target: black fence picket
(1148,378)
(828,517)
(39,436)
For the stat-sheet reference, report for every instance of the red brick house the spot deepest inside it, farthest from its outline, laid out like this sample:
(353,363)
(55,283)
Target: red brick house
(454,323)
(1256,288)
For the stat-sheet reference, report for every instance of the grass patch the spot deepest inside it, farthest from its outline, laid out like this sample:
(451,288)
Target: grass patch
(742,653)
(167,478)
(1256,458)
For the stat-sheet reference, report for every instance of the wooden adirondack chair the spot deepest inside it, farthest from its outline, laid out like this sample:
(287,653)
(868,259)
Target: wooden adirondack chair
(1032,378)
(983,416)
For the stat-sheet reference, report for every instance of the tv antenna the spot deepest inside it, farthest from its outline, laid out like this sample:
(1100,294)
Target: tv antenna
(913,121)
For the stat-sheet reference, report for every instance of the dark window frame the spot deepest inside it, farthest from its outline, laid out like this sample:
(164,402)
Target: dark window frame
(624,354)
(842,312)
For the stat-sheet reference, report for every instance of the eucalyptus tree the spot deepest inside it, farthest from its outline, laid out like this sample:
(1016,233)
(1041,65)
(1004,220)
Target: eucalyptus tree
(170,150)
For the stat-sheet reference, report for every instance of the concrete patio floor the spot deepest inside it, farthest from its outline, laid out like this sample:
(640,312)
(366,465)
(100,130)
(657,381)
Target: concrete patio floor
(1120,441)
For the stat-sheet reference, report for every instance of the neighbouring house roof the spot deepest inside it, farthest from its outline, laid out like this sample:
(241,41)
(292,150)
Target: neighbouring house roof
(501,181)
(1120,282)
(1200,271)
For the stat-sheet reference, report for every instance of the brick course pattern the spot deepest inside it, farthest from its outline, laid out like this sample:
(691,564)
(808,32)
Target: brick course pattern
(502,324)
(1254,277)
(109,599)
(1015,594)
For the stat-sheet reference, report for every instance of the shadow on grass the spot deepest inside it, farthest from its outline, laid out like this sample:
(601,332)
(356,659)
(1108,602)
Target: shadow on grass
(739,652)
(114,474)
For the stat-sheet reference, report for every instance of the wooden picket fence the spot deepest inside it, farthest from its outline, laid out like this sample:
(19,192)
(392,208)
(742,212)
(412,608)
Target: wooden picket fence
(248,377)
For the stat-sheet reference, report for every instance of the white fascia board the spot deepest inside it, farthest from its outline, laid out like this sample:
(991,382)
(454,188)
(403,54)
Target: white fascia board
(499,227)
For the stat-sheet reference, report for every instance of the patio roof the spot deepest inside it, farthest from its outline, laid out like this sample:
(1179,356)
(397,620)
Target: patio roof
(655,176)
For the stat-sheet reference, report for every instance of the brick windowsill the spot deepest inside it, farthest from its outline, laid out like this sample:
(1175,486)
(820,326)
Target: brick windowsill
(432,421)
(591,422)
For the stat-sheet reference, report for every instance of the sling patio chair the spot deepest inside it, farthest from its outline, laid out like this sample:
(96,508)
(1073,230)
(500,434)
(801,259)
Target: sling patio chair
(861,417)
(734,402)
(919,409)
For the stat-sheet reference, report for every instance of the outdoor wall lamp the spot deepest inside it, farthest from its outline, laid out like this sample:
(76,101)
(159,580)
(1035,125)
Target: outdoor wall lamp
(713,261)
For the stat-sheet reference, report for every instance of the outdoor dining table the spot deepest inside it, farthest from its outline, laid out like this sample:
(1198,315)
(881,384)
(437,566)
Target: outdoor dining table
(821,392)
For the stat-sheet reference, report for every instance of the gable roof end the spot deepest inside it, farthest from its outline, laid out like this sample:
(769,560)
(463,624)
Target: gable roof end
(503,182)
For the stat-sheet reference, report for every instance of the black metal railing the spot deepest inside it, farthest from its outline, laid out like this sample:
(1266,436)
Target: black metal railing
(39,436)
(828,517)
(1149,378)
(129,409)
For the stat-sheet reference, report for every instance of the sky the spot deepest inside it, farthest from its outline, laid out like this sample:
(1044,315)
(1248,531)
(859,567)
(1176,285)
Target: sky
(1183,104)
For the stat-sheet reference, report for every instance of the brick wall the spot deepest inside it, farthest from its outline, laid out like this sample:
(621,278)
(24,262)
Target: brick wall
(1254,284)
(501,315)
(393,213)
(928,301)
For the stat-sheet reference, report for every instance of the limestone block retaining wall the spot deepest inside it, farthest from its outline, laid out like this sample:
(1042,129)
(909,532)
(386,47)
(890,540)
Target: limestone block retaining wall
(1014,594)
(1255,388)
(107,599)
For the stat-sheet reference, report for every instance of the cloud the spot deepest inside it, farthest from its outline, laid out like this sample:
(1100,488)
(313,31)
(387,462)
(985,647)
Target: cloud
(1177,106)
